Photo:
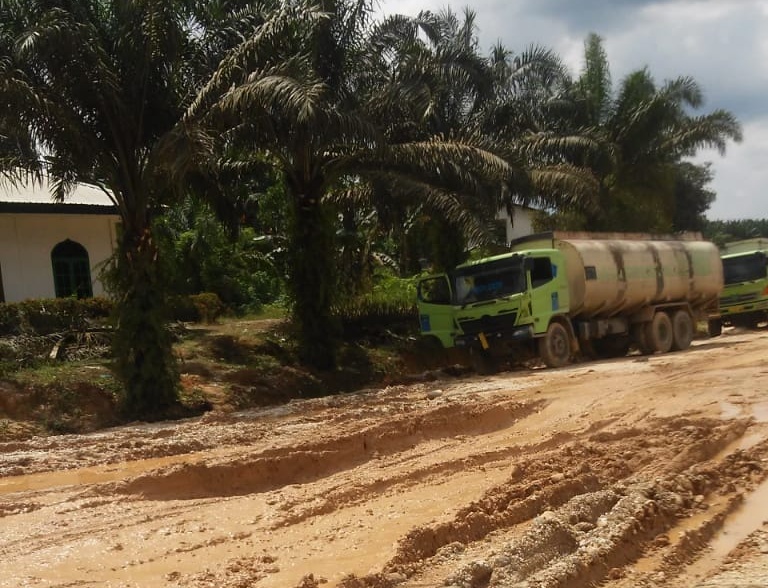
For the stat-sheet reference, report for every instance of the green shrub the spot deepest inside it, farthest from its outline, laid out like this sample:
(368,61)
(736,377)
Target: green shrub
(197,308)
(52,315)
(208,305)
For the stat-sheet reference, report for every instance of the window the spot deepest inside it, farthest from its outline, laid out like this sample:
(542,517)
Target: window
(541,273)
(71,270)
(2,292)
(744,268)
(435,290)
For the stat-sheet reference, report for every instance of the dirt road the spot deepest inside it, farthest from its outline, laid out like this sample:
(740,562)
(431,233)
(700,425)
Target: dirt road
(643,471)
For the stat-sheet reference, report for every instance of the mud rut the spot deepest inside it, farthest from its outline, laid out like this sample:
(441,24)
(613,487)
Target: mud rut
(624,473)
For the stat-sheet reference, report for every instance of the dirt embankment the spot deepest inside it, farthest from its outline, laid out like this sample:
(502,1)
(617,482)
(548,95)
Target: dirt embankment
(644,471)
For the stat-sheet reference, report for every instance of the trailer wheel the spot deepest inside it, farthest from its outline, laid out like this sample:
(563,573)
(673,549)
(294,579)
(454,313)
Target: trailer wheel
(659,334)
(682,330)
(715,327)
(555,346)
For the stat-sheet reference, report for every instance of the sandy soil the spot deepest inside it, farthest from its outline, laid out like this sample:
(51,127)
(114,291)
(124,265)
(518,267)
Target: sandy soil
(638,472)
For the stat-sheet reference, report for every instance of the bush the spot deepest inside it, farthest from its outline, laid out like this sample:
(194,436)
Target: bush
(196,308)
(51,315)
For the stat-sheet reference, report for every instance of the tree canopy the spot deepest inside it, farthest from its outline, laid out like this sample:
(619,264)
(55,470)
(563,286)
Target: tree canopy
(396,133)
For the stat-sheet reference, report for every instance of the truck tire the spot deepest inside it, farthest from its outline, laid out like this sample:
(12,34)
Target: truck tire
(715,327)
(682,330)
(555,346)
(640,338)
(659,334)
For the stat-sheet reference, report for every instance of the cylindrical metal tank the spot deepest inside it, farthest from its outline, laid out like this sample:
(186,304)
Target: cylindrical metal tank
(614,276)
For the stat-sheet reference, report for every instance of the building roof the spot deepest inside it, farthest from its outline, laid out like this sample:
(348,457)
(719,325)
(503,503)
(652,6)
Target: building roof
(36,197)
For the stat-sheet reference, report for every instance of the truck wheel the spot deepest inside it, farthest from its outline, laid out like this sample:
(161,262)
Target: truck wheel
(555,346)
(658,334)
(483,362)
(715,327)
(640,339)
(682,330)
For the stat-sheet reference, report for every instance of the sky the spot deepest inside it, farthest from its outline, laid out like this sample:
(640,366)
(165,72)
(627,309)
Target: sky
(722,44)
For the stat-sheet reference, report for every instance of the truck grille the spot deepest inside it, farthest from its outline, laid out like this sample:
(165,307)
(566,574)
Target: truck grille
(488,324)
(740,299)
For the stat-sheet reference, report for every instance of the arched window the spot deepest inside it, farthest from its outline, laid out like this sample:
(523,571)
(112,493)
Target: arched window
(71,270)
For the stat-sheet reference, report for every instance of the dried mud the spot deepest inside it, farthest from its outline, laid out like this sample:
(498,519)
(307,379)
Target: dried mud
(638,472)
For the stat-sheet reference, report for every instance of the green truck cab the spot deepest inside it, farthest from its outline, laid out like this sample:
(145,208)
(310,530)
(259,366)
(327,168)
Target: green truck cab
(744,301)
(556,294)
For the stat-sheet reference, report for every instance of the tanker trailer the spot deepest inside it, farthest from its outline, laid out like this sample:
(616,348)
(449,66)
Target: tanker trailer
(555,295)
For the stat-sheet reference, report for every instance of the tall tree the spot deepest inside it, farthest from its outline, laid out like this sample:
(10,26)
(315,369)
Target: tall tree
(295,93)
(433,80)
(644,131)
(100,85)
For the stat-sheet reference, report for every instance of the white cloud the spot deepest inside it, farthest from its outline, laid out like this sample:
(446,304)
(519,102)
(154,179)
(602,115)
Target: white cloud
(741,176)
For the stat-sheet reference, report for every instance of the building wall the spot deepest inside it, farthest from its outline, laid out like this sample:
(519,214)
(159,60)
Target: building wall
(520,224)
(26,241)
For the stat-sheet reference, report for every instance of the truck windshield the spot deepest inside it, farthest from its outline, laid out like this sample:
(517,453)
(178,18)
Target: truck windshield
(744,268)
(489,280)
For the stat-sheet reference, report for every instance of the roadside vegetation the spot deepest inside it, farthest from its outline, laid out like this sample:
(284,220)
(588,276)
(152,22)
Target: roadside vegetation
(312,157)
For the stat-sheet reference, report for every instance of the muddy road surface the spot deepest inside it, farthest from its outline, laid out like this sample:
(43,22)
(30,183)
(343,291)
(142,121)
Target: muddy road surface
(636,472)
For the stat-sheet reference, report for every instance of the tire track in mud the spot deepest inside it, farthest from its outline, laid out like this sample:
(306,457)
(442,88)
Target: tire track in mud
(581,525)
(321,458)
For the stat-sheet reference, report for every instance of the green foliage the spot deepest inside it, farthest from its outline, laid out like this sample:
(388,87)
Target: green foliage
(203,257)
(725,231)
(390,307)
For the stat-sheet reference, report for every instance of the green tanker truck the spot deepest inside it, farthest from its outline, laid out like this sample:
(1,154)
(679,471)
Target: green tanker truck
(744,301)
(558,294)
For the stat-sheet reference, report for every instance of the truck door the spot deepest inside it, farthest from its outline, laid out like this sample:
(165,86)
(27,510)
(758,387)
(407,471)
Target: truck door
(545,297)
(436,310)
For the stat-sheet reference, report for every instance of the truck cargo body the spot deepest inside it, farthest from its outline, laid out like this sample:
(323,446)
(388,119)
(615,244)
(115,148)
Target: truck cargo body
(744,301)
(562,293)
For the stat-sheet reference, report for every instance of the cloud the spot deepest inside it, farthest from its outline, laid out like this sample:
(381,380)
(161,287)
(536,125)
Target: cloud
(741,176)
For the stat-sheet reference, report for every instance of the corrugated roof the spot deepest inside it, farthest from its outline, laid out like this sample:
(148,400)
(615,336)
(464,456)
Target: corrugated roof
(37,193)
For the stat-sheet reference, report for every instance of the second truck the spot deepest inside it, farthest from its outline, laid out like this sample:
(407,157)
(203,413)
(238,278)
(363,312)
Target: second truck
(744,301)
(559,294)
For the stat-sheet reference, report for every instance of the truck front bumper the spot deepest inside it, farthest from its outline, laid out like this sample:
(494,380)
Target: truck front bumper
(494,338)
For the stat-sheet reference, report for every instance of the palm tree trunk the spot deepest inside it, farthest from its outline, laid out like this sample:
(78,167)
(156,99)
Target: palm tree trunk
(142,346)
(312,267)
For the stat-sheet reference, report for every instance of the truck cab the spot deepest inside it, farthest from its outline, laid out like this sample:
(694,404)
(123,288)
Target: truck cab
(744,301)
(492,304)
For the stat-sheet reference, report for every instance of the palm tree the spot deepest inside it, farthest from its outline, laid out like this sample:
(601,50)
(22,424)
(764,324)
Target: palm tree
(101,85)
(644,131)
(295,94)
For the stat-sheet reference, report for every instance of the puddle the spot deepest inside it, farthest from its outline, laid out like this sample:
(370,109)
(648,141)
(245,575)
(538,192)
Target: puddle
(740,525)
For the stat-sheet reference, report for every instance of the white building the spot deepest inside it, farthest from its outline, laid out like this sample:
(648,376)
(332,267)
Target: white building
(49,249)
(518,224)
